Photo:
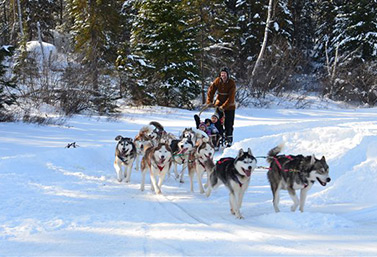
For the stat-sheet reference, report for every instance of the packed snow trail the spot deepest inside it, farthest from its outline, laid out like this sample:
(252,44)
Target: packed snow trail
(59,201)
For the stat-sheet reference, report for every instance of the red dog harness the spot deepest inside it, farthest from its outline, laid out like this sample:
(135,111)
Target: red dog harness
(279,165)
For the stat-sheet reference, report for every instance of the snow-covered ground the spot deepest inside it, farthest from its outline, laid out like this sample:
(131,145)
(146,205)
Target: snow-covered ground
(57,201)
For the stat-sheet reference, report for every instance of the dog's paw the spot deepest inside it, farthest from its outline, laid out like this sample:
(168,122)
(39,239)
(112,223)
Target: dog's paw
(240,217)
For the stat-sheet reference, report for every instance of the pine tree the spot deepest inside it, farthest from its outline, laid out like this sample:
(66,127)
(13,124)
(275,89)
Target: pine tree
(251,18)
(43,12)
(355,28)
(325,13)
(351,51)
(96,28)
(161,36)
(6,98)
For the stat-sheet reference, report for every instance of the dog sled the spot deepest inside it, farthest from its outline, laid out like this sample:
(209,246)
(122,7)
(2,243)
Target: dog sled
(218,138)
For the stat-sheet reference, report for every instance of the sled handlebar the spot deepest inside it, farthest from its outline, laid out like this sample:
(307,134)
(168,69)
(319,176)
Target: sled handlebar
(205,107)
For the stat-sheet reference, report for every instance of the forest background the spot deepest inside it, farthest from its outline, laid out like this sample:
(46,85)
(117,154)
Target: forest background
(82,56)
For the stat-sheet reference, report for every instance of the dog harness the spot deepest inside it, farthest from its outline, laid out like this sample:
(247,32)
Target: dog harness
(161,167)
(288,170)
(223,160)
(122,158)
(281,167)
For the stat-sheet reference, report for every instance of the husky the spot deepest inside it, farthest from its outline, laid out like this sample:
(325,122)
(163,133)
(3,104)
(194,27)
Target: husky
(235,174)
(194,134)
(148,135)
(141,144)
(158,160)
(294,173)
(125,154)
(151,132)
(181,150)
(204,151)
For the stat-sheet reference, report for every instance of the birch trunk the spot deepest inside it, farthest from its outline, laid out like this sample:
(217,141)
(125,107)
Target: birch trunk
(264,44)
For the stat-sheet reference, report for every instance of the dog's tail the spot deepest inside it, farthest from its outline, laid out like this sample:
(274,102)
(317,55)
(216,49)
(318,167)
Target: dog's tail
(273,152)
(157,125)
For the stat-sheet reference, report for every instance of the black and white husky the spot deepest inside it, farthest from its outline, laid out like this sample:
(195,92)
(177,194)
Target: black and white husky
(181,149)
(235,174)
(125,154)
(295,173)
(158,161)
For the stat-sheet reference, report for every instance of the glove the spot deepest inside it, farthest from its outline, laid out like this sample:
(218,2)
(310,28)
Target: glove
(221,109)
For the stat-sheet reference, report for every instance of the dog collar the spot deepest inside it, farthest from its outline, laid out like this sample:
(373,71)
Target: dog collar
(122,158)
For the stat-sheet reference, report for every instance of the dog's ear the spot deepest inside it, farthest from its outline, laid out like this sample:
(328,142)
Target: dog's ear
(129,139)
(249,151)
(312,160)
(323,159)
(240,152)
(118,138)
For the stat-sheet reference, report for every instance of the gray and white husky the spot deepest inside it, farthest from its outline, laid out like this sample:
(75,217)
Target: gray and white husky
(158,161)
(293,173)
(125,154)
(203,151)
(235,174)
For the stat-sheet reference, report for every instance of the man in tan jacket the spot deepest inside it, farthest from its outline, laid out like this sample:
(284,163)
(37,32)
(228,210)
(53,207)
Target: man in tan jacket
(225,100)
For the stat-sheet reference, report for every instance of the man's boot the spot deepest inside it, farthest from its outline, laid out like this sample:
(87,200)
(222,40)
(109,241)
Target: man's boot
(229,141)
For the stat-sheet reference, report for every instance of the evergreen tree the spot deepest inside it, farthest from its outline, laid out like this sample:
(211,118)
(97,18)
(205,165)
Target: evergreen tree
(127,64)
(251,17)
(325,13)
(161,35)
(356,24)
(5,23)
(96,29)
(43,12)
(6,98)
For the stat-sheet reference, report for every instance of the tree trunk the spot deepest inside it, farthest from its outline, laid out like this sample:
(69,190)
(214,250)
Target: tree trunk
(202,56)
(40,42)
(20,19)
(264,44)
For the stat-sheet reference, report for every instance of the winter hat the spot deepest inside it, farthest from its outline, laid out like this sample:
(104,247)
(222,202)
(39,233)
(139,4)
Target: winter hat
(226,70)
(215,115)
(202,124)
(207,121)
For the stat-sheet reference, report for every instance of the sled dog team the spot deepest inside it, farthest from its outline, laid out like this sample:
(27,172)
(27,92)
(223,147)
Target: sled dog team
(160,150)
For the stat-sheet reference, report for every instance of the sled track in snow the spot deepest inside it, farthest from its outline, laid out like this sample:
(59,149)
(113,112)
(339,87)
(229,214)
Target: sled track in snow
(187,213)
